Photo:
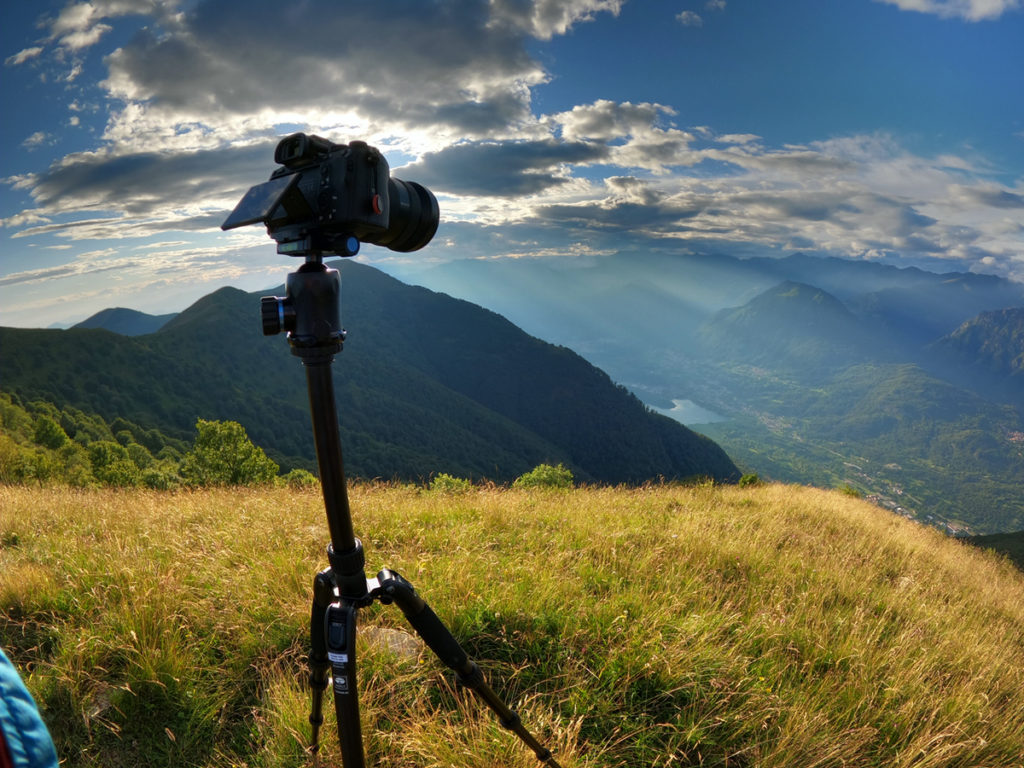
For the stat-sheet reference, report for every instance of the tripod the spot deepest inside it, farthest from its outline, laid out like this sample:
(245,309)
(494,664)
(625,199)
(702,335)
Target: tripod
(310,312)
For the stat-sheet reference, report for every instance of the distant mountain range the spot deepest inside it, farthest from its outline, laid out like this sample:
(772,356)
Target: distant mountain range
(425,384)
(903,384)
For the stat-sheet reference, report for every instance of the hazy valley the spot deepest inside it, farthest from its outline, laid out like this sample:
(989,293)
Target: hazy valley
(903,384)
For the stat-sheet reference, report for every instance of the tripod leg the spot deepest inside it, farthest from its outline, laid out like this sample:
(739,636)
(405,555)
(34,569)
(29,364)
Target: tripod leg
(393,587)
(340,631)
(332,660)
(319,664)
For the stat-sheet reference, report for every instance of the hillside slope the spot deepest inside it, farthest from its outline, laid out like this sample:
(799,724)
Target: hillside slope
(425,384)
(771,626)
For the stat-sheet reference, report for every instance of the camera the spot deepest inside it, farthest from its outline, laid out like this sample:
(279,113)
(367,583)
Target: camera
(327,198)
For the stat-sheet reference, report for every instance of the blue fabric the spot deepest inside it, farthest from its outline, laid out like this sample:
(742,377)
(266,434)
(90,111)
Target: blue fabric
(28,741)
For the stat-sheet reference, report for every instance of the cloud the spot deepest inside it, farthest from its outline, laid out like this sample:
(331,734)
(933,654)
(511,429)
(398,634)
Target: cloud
(857,197)
(437,71)
(543,19)
(198,100)
(605,120)
(37,139)
(690,19)
(737,138)
(502,169)
(140,194)
(969,10)
(634,133)
(22,56)
(80,25)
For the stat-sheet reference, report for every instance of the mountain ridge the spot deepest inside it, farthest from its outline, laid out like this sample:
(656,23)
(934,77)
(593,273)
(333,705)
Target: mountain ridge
(126,322)
(425,384)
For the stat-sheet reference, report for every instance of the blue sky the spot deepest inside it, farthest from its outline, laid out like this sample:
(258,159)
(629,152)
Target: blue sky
(890,130)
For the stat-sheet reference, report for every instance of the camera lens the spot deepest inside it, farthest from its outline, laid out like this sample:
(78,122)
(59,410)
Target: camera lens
(413,220)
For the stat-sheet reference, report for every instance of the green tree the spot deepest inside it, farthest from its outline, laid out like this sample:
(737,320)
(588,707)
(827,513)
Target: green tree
(139,455)
(111,464)
(545,476)
(49,434)
(223,455)
(77,467)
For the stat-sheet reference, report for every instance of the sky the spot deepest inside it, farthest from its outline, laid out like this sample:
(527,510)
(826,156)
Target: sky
(886,130)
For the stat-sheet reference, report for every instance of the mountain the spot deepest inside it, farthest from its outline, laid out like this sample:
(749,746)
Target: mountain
(818,370)
(793,325)
(651,340)
(127,322)
(425,384)
(992,341)
(986,352)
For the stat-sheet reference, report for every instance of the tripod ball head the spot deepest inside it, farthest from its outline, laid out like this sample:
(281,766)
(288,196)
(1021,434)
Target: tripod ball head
(310,311)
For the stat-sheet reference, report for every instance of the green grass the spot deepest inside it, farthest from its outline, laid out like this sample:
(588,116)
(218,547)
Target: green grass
(665,626)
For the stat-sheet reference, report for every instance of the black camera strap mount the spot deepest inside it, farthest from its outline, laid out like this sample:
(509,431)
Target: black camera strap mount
(310,313)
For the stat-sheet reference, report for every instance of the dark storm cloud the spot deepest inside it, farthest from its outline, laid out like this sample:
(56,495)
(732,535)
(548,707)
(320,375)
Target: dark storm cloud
(506,169)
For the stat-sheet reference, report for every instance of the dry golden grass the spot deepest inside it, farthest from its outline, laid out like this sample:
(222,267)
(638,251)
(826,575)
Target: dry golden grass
(660,626)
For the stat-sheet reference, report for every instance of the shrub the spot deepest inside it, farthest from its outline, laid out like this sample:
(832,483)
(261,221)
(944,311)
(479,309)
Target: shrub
(445,483)
(300,478)
(160,479)
(545,476)
(750,479)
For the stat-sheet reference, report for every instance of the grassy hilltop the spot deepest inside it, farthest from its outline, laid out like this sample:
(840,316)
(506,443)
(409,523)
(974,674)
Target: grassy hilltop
(662,626)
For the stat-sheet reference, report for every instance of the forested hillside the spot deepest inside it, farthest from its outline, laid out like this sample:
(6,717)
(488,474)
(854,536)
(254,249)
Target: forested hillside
(425,384)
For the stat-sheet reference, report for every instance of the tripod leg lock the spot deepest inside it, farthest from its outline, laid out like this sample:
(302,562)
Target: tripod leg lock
(348,573)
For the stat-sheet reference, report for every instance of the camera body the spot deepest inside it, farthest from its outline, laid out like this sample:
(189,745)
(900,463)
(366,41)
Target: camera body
(327,198)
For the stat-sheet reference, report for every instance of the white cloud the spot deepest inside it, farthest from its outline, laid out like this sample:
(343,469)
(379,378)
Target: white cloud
(543,19)
(636,133)
(80,25)
(25,218)
(969,10)
(690,19)
(737,138)
(22,56)
(36,139)
(604,120)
